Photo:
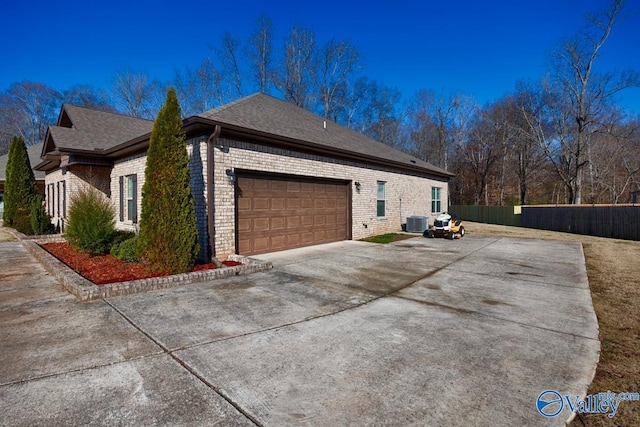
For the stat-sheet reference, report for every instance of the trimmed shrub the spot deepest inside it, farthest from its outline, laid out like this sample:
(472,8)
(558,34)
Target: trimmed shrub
(19,187)
(126,250)
(168,231)
(40,219)
(91,225)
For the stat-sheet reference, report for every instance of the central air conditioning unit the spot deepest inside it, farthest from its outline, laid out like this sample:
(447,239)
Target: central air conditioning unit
(417,224)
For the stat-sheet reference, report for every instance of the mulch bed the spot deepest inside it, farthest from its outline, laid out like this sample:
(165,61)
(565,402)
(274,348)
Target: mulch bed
(105,269)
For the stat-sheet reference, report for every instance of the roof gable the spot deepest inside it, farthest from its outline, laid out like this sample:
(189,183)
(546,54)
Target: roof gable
(267,115)
(84,129)
(64,120)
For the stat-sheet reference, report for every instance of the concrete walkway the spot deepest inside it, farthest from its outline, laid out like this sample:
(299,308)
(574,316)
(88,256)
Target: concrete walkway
(419,332)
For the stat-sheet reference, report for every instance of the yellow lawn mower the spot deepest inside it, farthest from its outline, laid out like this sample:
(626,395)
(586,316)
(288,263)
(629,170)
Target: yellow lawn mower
(445,226)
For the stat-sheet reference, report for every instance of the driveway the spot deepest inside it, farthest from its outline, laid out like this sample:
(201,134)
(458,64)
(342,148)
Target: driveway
(419,332)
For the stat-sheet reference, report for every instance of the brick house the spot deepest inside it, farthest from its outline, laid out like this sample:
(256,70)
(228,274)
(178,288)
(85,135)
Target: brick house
(265,175)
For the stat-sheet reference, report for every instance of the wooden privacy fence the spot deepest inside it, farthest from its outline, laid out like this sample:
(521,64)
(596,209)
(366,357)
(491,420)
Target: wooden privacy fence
(614,221)
(502,215)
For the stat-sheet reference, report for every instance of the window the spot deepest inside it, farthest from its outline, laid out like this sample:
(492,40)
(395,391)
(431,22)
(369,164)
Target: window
(58,194)
(435,200)
(64,199)
(129,198)
(381,198)
(50,201)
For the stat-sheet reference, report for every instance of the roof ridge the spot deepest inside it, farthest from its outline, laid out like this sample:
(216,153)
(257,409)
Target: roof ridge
(113,113)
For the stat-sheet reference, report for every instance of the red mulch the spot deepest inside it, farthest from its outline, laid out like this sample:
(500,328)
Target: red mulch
(105,269)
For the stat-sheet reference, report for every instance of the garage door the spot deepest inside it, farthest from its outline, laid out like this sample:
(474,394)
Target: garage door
(280,213)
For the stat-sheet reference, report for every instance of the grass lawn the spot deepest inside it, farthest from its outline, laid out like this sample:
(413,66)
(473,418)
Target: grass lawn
(614,278)
(388,238)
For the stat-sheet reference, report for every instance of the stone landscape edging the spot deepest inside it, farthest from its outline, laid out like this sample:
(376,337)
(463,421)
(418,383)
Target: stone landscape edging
(85,290)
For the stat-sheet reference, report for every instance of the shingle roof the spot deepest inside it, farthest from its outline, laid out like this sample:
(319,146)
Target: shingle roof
(34,157)
(97,129)
(268,115)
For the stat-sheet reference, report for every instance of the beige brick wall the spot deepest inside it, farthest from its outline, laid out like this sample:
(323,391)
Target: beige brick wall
(405,195)
(132,165)
(59,198)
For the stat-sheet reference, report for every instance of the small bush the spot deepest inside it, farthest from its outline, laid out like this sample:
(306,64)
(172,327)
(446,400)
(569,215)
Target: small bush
(91,225)
(126,250)
(40,219)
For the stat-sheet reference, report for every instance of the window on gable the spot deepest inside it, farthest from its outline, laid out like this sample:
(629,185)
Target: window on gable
(436,205)
(129,198)
(381,198)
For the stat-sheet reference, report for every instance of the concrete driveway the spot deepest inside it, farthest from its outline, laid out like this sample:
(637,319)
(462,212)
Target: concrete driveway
(419,332)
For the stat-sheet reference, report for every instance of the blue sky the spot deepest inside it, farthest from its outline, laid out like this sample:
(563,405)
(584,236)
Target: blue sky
(479,48)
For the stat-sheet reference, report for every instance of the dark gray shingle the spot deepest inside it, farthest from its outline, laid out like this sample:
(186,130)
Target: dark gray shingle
(97,129)
(268,115)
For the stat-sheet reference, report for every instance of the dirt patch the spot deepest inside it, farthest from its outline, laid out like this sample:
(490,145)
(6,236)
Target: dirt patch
(612,268)
(105,269)
(6,237)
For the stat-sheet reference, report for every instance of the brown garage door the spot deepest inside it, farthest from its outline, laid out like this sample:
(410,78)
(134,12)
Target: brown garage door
(281,213)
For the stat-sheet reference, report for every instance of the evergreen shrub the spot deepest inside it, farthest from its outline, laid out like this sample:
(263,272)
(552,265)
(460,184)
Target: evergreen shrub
(168,230)
(19,187)
(91,225)
(126,250)
(40,219)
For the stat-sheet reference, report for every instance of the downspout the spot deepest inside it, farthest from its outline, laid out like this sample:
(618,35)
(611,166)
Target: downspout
(211,224)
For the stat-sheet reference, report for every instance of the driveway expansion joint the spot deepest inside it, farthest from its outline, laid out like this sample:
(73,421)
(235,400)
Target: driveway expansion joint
(170,353)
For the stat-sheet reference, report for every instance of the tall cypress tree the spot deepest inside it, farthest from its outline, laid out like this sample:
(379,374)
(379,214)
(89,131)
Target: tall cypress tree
(168,239)
(19,187)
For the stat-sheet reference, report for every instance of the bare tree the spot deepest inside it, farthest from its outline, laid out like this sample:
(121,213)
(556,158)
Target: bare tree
(338,60)
(463,116)
(421,124)
(27,108)
(431,122)
(529,125)
(353,102)
(259,51)
(89,97)
(484,148)
(199,89)
(227,54)
(135,94)
(579,96)
(615,167)
(381,118)
(297,75)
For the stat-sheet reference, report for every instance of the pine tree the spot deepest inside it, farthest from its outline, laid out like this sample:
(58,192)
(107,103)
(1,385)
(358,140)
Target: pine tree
(19,188)
(168,239)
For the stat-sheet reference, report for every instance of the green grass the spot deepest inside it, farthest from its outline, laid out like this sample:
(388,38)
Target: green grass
(387,238)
